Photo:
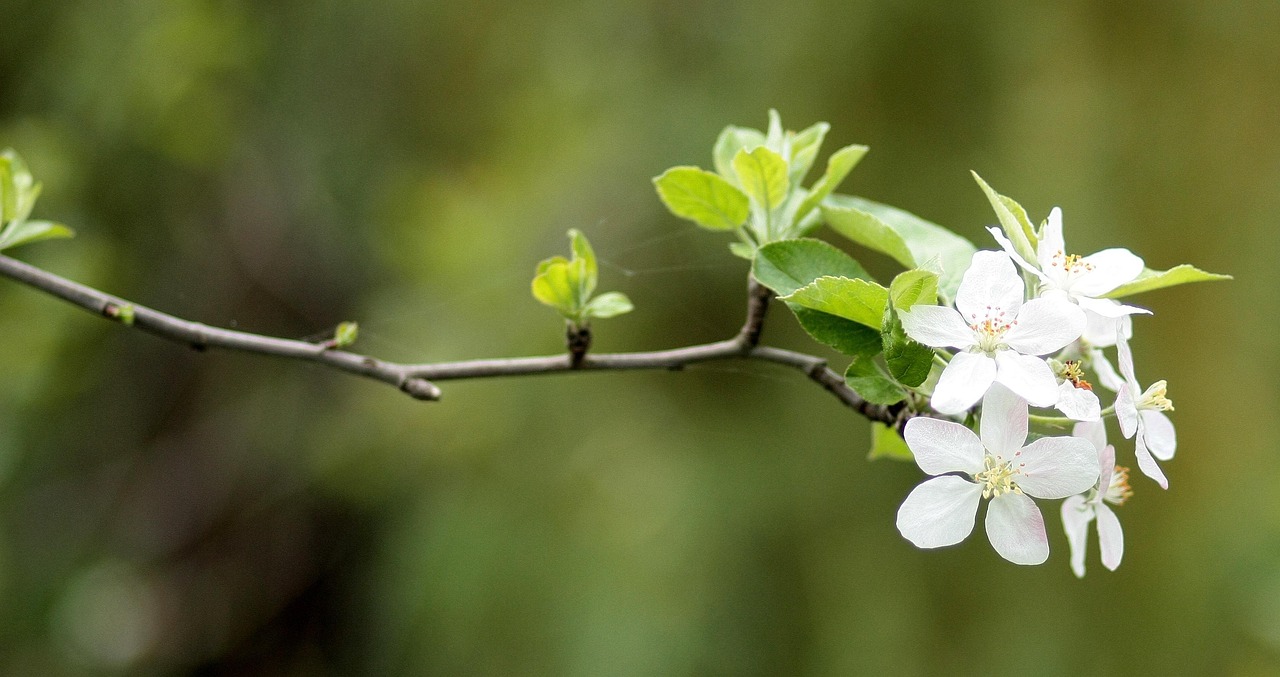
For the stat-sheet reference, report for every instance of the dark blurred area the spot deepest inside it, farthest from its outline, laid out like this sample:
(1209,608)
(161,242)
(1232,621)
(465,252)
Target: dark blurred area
(280,167)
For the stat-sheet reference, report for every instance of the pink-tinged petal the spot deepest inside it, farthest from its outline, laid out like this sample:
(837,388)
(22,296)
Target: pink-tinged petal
(943,446)
(1076,516)
(1045,325)
(937,326)
(1094,431)
(1008,248)
(1057,467)
(1126,411)
(1015,528)
(1051,241)
(963,382)
(1079,404)
(1110,537)
(991,281)
(1028,376)
(1106,468)
(1004,422)
(1158,434)
(1147,463)
(939,512)
(1109,308)
(1125,357)
(1111,268)
(1107,376)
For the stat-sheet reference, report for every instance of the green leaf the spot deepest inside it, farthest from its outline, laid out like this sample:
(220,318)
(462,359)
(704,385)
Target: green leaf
(909,239)
(853,299)
(1013,220)
(582,251)
(804,150)
(845,336)
(731,140)
(1150,279)
(887,443)
(556,286)
(839,165)
(763,174)
(345,334)
(912,287)
(788,265)
(8,191)
(868,381)
(610,304)
(774,137)
(702,197)
(25,232)
(743,250)
(909,362)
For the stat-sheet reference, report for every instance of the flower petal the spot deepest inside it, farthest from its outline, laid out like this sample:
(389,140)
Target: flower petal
(1028,376)
(1008,248)
(1126,411)
(1107,375)
(1110,268)
(1051,241)
(1094,431)
(1004,422)
(1100,328)
(1044,326)
(1015,528)
(939,512)
(1057,467)
(1147,464)
(1109,308)
(943,446)
(1076,516)
(963,382)
(1106,468)
(1110,537)
(1079,404)
(937,326)
(991,281)
(1157,431)
(1126,360)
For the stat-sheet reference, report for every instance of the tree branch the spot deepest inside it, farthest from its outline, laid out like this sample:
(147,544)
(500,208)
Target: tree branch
(416,379)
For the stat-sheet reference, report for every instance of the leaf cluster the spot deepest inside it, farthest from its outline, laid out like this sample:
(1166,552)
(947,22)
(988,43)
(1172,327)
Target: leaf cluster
(568,285)
(18,194)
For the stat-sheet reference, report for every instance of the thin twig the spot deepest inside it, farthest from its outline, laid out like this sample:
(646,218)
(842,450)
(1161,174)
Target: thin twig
(416,379)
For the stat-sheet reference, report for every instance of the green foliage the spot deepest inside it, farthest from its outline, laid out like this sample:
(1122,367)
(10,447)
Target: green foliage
(845,336)
(1158,279)
(887,443)
(909,362)
(866,378)
(18,193)
(788,265)
(912,287)
(567,285)
(702,197)
(907,238)
(859,300)
(759,192)
(1013,221)
(346,334)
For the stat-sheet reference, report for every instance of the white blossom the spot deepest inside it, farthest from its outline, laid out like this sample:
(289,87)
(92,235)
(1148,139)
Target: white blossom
(1078,511)
(999,337)
(1141,416)
(996,466)
(1079,279)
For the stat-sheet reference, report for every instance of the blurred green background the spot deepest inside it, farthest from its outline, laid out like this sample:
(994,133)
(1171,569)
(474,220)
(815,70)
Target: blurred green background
(283,166)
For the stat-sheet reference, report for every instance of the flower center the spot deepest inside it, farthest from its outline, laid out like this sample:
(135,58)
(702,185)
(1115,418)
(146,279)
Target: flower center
(1154,397)
(1070,263)
(996,478)
(990,329)
(1118,492)
(1072,371)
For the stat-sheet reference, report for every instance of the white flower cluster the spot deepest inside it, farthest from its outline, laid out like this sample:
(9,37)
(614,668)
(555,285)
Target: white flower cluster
(1021,340)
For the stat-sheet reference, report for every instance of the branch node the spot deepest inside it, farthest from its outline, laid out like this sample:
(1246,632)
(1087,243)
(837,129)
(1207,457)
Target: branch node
(758,297)
(578,340)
